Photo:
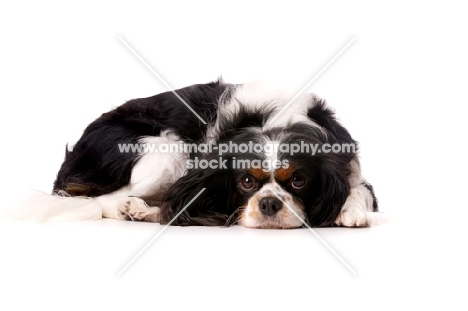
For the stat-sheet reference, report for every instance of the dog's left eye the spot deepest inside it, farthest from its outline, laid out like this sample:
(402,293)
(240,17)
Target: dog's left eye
(298,182)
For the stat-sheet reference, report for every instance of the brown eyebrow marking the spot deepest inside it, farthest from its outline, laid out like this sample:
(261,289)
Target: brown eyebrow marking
(283,174)
(259,173)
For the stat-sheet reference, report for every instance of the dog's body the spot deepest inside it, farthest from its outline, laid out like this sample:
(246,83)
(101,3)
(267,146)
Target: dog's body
(280,189)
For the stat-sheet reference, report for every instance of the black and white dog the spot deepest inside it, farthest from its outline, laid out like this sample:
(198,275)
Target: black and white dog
(258,165)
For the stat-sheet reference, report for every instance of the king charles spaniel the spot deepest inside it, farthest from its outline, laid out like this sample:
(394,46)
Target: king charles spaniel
(218,154)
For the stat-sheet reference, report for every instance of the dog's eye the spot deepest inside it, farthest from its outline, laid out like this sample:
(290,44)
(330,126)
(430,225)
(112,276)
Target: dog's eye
(247,183)
(298,182)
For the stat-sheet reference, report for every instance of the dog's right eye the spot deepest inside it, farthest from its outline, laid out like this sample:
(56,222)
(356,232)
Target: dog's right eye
(247,183)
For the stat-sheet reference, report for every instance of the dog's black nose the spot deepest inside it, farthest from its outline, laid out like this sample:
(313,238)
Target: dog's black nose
(270,205)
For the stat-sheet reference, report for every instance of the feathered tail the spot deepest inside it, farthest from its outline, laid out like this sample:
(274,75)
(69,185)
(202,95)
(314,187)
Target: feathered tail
(58,207)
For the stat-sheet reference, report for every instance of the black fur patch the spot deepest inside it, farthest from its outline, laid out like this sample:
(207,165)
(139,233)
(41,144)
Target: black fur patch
(96,163)
(371,190)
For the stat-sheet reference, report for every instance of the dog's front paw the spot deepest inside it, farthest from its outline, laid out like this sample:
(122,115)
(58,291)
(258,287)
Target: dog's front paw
(132,208)
(352,216)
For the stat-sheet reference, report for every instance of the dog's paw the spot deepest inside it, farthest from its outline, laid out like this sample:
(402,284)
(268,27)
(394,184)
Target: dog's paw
(132,208)
(353,216)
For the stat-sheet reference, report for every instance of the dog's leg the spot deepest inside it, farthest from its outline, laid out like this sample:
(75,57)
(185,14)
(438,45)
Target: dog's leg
(118,206)
(151,176)
(361,201)
(357,208)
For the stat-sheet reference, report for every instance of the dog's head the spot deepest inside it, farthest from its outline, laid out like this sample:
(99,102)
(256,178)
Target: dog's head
(276,178)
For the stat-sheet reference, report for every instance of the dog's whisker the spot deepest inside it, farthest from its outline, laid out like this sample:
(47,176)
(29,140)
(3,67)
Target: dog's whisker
(236,212)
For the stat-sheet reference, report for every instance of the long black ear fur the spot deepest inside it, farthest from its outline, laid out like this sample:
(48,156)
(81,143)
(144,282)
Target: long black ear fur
(331,195)
(211,208)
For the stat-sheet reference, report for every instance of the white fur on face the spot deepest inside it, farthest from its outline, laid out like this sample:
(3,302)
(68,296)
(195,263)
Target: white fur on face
(252,217)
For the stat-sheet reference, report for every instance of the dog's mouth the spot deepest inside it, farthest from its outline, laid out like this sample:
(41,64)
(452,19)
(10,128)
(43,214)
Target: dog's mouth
(273,226)
(272,208)
(256,219)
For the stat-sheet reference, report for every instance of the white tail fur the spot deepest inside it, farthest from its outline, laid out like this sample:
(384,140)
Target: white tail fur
(45,207)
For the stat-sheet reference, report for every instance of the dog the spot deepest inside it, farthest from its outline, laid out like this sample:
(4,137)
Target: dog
(247,154)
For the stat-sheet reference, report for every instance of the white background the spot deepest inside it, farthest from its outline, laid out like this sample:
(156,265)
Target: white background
(400,89)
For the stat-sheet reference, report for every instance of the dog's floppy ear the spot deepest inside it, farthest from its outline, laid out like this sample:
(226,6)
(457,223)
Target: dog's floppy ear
(211,207)
(333,189)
